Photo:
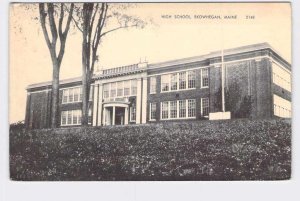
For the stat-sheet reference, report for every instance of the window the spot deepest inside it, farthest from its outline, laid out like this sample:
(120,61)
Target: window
(113,90)
(71,95)
(152,85)
(182,108)
(204,106)
(282,107)
(133,87)
(165,110)
(90,116)
(281,77)
(191,108)
(174,81)
(80,94)
(182,80)
(91,93)
(106,90)
(69,120)
(165,82)
(132,113)
(191,79)
(120,89)
(127,88)
(204,78)
(173,109)
(152,111)
(65,95)
(63,117)
(76,94)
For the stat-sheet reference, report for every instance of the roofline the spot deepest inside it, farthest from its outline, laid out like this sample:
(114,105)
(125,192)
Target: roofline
(213,54)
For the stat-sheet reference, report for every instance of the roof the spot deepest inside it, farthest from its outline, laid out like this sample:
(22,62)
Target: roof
(138,67)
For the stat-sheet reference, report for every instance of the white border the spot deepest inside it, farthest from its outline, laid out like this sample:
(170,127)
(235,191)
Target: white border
(49,191)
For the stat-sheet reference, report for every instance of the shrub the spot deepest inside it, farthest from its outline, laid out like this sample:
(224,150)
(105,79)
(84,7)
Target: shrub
(198,150)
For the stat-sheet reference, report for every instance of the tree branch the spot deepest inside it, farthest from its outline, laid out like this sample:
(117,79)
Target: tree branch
(52,24)
(43,24)
(120,27)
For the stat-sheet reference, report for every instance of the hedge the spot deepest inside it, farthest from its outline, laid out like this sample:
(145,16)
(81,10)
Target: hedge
(199,150)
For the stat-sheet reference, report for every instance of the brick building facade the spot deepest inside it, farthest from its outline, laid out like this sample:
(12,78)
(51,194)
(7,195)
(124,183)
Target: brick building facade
(257,85)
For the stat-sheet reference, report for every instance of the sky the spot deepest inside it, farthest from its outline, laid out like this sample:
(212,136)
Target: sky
(163,39)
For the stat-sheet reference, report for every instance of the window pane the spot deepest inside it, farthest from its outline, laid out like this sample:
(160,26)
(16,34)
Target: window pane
(63,118)
(132,113)
(152,110)
(90,116)
(165,81)
(204,77)
(80,93)
(71,95)
(75,117)
(205,106)
(152,84)
(182,109)
(165,110)
(173,109)
(174,81)
(113,90)
(120,89)
(133,87)
(127,88)
(106,90)
(69,117)
(192,108)
(182,80)
(191,79)
(76,94)
(65,95)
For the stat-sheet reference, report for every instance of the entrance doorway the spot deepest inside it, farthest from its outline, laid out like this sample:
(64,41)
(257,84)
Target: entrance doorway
(120,116)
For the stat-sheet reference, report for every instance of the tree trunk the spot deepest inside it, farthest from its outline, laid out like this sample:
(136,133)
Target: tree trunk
(85,85)
(55,95)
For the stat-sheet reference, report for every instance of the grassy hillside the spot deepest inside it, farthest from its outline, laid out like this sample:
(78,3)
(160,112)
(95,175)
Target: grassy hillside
(202,150)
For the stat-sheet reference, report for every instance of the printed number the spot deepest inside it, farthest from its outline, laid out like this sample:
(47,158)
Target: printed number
(250,17)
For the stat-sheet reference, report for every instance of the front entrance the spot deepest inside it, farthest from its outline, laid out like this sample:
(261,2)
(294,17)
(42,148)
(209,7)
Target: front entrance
(115,115)
(120,116)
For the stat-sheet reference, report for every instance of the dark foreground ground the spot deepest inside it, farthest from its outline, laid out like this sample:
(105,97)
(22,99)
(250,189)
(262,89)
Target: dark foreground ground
(202,150)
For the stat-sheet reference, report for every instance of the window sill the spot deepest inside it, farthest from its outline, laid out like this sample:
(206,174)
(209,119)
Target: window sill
(179,90)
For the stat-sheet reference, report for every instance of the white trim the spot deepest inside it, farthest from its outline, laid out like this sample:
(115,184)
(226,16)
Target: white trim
(33,92)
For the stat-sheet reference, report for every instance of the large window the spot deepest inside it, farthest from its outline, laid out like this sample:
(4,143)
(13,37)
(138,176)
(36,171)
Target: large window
(281,77)
(71,95)
(204,78)
(153,85)
(178,81)
(152,111)
(120,89)
(71,117)
(204,106)
(282,107)
(179,109)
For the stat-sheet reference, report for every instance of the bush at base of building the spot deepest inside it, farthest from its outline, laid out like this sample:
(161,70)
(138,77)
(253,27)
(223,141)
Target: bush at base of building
(202,150)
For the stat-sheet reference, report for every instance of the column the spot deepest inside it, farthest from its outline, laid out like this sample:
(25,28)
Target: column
(138,101)
(100,106)
(144,101)
(114,116)
(126,116)
(95,104)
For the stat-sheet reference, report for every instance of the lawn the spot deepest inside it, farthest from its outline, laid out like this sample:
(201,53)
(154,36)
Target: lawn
(199,150)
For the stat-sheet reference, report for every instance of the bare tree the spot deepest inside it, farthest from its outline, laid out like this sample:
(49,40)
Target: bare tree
(92,20)
(50,11)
